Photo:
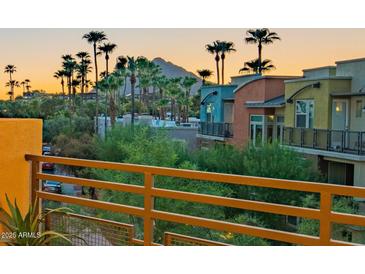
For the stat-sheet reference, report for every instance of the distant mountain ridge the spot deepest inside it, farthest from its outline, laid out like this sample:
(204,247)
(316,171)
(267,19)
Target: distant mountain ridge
(170,70)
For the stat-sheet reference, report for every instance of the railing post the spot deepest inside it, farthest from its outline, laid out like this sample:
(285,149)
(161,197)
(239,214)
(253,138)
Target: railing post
(315,133)
(328,139)
(148,207)
(301,137)
(342,141)
(325,223)
(35,183)
(359,143)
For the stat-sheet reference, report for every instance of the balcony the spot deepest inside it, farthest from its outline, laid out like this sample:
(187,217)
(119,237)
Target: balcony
(222,130)
(340,141)
(97,231)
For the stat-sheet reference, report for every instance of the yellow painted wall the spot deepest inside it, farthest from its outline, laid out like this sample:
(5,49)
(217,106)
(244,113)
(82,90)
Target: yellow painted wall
(321,97)
(17,138)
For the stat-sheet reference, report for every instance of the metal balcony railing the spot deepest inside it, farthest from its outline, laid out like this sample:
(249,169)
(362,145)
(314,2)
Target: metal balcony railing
(124,233)
(344,141)
(224,130)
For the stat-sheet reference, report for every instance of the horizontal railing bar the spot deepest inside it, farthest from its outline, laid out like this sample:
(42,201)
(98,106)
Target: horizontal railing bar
(90,218)
(342,243)
(141,242)
(190,238)
(207,176)
(136,211)
(238,203)
(92,183)
(348,219)
(237,228)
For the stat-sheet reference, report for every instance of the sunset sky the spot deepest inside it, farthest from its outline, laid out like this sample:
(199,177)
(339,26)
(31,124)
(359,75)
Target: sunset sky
(37,52)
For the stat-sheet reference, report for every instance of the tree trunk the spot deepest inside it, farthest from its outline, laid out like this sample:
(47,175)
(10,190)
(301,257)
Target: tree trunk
(259,61)
(96,89)
(132,99)
(217,65)
(223,57)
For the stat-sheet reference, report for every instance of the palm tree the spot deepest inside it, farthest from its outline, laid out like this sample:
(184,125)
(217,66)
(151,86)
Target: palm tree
(10,69)
(225,47)
(12,84)
(187,84)
(59,74)
(215,49)
(95,38)
(23,84)
(254,66)
(121,66)
(107,48)
(27,85)
(69,66)
(83,68)
(261,37)
(204,74)
(110,85)
(132,68)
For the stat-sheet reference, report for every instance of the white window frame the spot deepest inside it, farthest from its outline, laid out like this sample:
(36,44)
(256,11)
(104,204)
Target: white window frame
(307,116)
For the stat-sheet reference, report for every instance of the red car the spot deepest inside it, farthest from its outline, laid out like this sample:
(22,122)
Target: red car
(47,166)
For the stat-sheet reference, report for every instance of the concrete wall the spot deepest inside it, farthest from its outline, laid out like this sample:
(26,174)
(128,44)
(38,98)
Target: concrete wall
(319,72)
(321,97)
(354,69)
(188,135)
(17,138)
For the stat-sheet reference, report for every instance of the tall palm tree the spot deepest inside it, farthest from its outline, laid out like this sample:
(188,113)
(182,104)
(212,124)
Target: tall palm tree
(187,84)
(59,74)
(10,69)
(121,65)
(83,68)
(95,38)
(107,48)
(225,47)
(254,66)
(132,68)
(261,37)
(215,49)
(204,74)
(69,66)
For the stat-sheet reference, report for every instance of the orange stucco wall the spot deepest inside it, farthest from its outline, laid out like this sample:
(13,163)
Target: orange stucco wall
(17,138)
(258,90)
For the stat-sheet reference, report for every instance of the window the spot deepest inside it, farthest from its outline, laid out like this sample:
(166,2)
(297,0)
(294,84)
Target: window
(257,118)
(358,108)
(209,112)
(304,113)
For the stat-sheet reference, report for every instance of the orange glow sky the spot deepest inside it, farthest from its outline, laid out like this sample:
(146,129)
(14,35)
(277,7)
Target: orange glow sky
(36,52)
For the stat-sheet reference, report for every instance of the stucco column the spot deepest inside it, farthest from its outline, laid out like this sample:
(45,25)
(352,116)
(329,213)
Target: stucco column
(17,138)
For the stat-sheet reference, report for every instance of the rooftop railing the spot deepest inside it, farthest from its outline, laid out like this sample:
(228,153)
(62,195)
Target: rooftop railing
(224,130)
(115,233)
(343,141)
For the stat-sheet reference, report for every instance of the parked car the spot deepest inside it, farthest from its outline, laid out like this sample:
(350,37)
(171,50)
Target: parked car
(45,165)
(52,186)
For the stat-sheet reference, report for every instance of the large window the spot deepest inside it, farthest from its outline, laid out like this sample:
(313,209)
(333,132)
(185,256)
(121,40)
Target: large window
(304,113)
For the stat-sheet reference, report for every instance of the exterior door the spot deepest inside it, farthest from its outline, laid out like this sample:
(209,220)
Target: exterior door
(256,133)
(340,112)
